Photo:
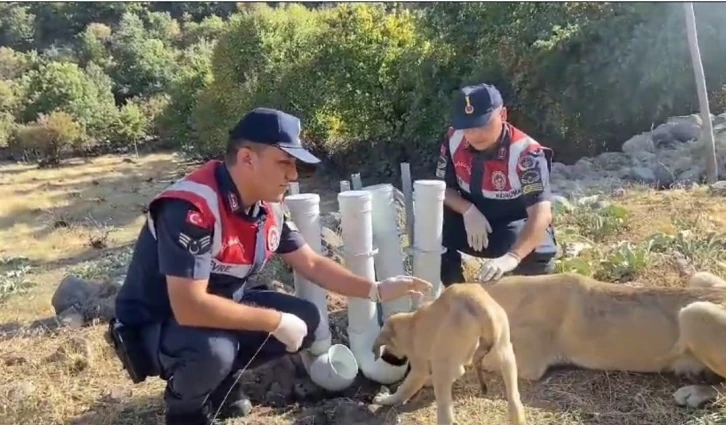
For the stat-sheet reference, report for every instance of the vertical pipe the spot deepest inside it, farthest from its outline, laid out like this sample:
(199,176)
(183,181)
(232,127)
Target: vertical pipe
(344,185)
(389,259)
(357,183)
(294,188)
(428,229)
(357,223)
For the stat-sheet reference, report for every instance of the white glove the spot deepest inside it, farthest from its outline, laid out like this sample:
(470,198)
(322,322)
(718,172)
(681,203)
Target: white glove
(398,286)
(477,228)
(496,267)
(291,331)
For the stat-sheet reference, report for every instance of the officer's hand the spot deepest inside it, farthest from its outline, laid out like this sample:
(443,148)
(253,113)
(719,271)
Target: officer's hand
(477,228)
(496,267)
(291,331)
(396,287)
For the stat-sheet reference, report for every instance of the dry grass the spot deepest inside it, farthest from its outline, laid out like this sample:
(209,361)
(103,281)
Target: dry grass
(71,377)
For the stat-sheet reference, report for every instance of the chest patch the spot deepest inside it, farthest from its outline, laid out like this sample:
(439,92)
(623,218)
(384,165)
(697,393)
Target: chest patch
(499,180)
(273,238)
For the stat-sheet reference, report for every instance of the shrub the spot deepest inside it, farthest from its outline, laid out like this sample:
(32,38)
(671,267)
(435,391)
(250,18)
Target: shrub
(48,137)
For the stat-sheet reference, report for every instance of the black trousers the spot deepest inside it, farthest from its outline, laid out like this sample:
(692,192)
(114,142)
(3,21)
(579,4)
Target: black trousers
(501,239)
(195,361)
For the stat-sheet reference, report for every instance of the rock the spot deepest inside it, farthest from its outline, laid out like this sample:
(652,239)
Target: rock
(15,360)
(657,174)
(718,188)
(116,394)
(560,171)
(88,418)
(587,200)
(73,292)
(89,298)
(71,318)
(574,249)
(640,143)
(598,205)
(619,193)
(561,200)
(17,391)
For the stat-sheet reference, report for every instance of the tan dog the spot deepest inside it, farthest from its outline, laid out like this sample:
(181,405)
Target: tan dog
(571,319)
(463,325)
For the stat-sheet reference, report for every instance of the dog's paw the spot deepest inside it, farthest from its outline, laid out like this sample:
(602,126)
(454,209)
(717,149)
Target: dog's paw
(385,399)
(695,395)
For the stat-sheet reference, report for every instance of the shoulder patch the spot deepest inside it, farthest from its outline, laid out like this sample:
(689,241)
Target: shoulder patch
(195,246)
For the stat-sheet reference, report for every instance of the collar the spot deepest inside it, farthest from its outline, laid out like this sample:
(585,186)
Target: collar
(499,149)
(231,197)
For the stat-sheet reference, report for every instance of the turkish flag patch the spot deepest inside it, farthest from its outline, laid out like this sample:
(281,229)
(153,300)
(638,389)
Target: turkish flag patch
(195,218)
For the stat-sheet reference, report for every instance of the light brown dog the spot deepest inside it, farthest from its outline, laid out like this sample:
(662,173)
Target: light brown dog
(460,327)
(569,319)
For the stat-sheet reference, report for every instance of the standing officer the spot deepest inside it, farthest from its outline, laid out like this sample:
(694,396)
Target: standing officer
(184,299)
(497,201)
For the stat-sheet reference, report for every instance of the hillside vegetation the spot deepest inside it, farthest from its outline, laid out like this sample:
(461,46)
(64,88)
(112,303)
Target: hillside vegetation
(371,82)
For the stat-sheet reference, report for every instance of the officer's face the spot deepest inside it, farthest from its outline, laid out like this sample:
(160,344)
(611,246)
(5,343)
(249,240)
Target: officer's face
(481,138)
(274,170)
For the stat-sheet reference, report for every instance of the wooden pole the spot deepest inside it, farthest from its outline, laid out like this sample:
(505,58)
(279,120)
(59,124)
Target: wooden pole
(709,145)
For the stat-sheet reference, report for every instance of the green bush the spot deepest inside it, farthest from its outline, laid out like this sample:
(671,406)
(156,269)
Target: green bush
(47,138)
(372,83)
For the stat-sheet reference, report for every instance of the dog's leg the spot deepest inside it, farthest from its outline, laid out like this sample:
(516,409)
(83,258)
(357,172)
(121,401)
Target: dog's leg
(533,352)
(508,366)
(702,332)
(413,382)
(706,280)
(444,373)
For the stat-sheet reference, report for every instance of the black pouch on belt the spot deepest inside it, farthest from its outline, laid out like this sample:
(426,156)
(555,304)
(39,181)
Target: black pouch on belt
(129,346)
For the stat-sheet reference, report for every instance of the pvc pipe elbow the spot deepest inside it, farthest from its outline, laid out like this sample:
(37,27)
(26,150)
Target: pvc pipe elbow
(334,370)
(380,371)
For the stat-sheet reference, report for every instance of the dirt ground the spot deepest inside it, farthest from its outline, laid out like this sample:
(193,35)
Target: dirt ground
(83,217)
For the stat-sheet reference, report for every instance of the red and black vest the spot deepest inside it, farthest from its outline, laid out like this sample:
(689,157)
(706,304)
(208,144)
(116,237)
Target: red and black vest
(494,181)
(240,247)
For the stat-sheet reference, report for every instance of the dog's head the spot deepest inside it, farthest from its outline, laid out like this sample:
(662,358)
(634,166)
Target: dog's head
(390,344)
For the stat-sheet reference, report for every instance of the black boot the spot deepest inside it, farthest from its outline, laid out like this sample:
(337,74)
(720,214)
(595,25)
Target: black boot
(200,417)
(236,405)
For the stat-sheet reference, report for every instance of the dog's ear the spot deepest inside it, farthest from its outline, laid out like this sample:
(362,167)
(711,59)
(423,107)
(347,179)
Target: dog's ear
(384,337)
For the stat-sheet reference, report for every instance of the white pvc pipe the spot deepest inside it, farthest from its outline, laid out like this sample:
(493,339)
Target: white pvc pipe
(428,230)
(294,188)
(332,367)
(344,185)
(357,182)
(389,259)
(357,228)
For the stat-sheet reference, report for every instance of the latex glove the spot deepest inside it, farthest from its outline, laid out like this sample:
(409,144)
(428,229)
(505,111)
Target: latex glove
(496,267)
(291,331)
(477,228)
(398,286)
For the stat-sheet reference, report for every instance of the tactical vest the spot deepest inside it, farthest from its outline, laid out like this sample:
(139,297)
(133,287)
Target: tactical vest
(240,247)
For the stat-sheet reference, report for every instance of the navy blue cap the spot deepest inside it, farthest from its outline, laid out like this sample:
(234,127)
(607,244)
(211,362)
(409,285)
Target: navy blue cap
(474,106)
(275,128)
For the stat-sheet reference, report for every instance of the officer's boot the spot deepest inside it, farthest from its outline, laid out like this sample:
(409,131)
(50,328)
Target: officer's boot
(236,404)
(200,417)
